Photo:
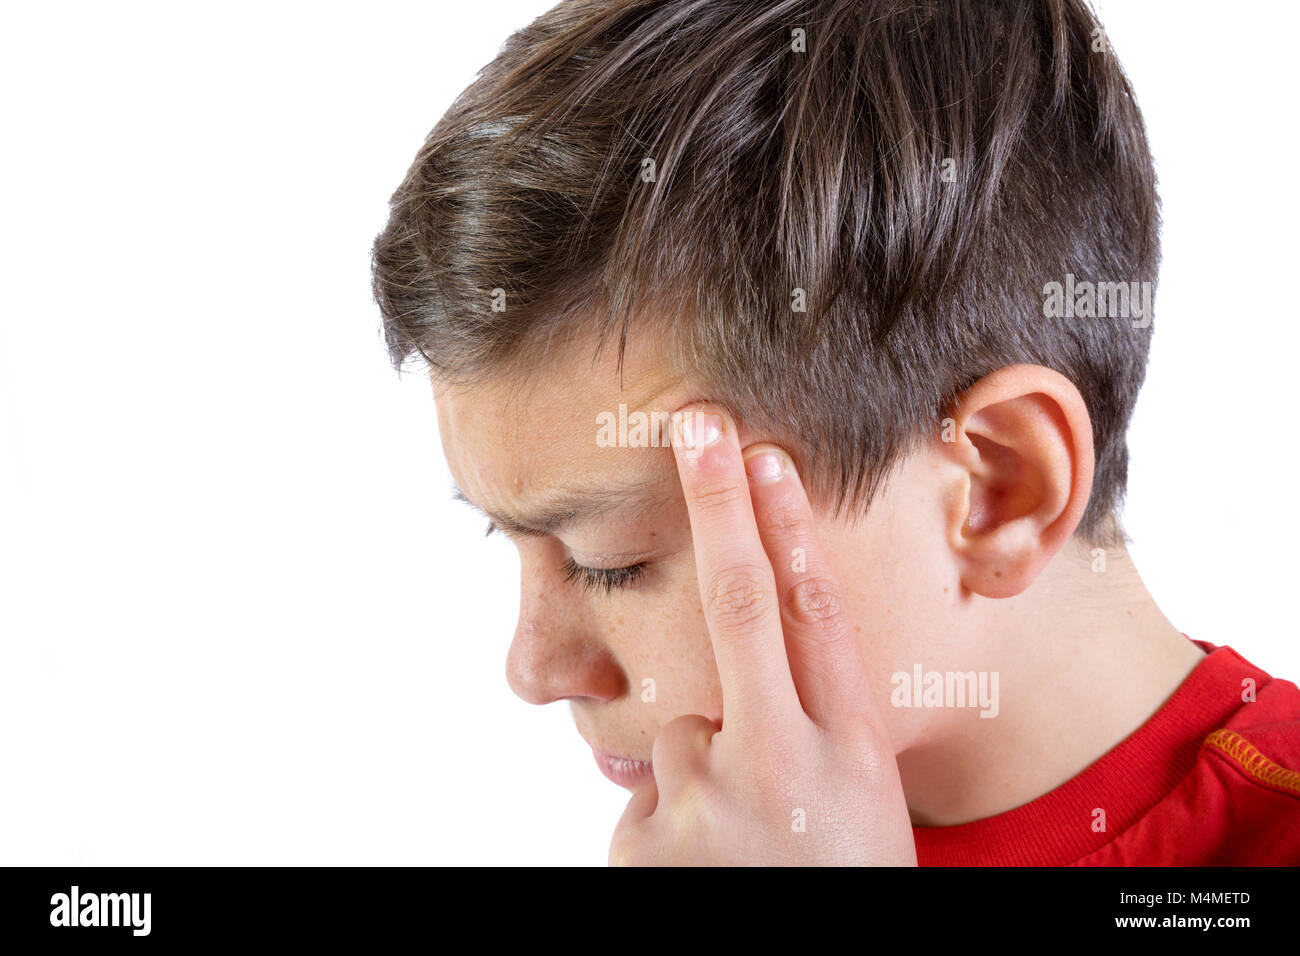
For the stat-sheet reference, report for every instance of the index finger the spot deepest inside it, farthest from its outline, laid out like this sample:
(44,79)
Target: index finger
(737,586)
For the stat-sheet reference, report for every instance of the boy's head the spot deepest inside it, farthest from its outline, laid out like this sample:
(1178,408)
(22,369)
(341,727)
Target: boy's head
(871,230)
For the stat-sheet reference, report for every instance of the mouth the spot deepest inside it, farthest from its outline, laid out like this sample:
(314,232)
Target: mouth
(624,771)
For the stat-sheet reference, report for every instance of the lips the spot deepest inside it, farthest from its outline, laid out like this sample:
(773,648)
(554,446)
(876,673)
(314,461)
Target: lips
(624,771)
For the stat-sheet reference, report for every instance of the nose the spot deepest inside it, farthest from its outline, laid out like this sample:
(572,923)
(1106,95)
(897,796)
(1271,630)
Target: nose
(553,656)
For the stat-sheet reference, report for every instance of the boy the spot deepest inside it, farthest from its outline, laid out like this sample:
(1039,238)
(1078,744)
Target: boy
(794,344)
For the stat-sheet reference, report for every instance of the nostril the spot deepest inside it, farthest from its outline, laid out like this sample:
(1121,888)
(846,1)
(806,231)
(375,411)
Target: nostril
(549,664)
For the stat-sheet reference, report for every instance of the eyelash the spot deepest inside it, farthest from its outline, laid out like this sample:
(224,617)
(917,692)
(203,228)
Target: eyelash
(606,579)
(602,578)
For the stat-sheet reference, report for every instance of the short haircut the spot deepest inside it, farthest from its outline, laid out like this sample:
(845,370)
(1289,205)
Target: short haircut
(914,173)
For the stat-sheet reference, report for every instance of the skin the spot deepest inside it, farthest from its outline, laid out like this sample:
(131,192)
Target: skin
(965,562)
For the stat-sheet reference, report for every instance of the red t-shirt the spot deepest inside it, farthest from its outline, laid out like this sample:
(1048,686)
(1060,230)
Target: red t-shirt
(1212,779)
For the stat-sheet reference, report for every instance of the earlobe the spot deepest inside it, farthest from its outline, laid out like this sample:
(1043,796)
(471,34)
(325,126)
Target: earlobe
(1023,472)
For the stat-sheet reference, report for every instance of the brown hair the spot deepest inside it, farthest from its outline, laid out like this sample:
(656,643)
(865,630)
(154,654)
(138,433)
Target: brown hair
(920,170)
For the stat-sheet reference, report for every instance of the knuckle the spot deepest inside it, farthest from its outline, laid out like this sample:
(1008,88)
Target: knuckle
(715,496)
(783,519)
(814,602)
(739,596)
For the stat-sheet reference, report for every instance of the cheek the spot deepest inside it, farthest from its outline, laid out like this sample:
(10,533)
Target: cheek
(663,646)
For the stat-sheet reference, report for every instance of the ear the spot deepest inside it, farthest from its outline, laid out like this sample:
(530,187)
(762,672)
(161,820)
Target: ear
(1020,455)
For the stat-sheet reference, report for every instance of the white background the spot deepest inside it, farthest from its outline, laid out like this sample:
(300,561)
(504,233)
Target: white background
(241,621)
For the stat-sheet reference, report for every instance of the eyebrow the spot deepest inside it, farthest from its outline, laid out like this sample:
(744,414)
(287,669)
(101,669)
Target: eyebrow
(567,508)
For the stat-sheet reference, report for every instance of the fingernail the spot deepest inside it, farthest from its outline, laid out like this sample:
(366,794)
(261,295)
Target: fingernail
(700,429)
(764,467)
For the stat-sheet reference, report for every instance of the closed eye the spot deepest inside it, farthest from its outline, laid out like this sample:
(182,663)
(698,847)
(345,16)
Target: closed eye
(606,579)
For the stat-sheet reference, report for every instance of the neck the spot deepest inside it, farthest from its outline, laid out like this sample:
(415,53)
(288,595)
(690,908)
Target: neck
(1083,657)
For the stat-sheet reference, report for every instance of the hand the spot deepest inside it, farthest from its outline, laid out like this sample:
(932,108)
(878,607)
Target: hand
(802,771)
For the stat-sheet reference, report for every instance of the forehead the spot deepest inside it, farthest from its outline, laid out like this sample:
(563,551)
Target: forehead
(510,441)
